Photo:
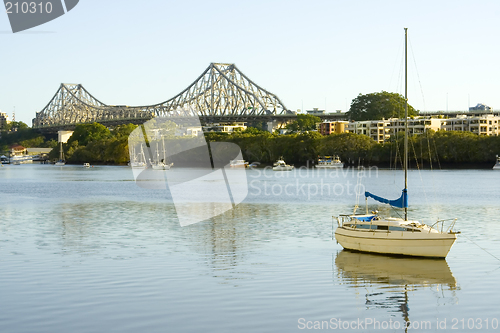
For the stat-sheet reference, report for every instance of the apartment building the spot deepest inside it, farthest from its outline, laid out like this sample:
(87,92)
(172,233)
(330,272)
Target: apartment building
(415,126)
(329,127)
(378,130)
(487,124)
(382,130)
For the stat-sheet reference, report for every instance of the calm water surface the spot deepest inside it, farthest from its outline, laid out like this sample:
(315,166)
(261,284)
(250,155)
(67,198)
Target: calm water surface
(87,250)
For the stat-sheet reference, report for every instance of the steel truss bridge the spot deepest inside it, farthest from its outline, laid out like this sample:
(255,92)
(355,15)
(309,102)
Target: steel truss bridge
(222,93)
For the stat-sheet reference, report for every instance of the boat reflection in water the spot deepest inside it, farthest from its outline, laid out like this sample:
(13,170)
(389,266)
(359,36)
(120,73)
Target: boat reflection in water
(388,279)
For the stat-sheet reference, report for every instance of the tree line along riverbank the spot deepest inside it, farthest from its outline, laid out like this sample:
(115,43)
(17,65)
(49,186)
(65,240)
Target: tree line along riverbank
(94,143)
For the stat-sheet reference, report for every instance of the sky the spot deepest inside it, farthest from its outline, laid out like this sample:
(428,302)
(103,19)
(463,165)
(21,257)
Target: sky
(309,53)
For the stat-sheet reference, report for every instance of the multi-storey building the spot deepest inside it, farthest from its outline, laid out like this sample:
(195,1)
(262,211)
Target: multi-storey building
(4,120)
(329,127)
(378,130)
(382,130)
(417,125)
(487,124)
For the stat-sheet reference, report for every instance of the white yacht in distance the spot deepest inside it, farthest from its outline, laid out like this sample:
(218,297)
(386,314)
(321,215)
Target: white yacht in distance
(238,164)
(329,162)
(280,165)
(24,159)
(397,236)
(497,164)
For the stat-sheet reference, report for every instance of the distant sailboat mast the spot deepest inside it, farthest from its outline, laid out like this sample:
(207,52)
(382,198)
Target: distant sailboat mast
(406,121)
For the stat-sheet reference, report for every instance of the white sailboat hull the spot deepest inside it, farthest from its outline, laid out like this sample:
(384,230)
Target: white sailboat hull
(421,244)
(161,166)
(137,165)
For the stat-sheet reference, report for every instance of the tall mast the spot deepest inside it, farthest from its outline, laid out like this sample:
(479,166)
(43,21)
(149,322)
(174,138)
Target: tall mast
(406,120)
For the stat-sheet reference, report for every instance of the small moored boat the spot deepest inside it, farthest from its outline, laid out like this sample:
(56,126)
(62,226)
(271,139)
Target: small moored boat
(238,164)
(280,165)
(329,162)
(497,164)
(395,236)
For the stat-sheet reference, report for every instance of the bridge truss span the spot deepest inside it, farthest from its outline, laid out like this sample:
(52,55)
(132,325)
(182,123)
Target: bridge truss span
(221,92)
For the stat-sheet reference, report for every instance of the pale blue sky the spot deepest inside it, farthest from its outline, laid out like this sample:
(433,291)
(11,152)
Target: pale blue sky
(310,53)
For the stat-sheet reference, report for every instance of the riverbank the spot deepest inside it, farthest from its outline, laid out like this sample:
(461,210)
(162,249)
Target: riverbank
(96,144)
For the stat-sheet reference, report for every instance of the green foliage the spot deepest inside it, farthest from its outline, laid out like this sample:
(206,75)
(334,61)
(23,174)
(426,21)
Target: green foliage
(94,143)
(260,125)
(122,131)
(25,137)
(216,136)
(99,145)
(304,122)
(348,146)
(429,149)
(35,142)
(253,131)
(16,126)
(86,133)
(376,106)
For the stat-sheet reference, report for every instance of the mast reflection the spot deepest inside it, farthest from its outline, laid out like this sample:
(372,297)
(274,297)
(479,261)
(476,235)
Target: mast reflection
(388,279)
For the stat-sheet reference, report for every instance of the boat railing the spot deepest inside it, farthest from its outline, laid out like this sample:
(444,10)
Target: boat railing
(442,222)
(343,218)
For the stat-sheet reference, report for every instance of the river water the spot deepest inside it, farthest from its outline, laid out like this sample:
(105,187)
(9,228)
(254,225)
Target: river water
(87,250)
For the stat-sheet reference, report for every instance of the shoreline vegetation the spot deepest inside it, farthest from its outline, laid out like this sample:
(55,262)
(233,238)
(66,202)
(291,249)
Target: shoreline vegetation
(96,144)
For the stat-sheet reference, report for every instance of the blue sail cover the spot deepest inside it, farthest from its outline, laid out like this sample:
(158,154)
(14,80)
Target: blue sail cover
(402,202)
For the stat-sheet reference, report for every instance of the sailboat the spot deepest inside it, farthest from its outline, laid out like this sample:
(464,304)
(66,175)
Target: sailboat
(135,162)
(394,235)
(61,161)
(161,164)
(497,164)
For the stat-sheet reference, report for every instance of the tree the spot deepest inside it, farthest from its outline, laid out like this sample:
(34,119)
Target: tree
(376,106)
(16,126)
(304,122)
(124,130)
(253,131)
(86,133)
